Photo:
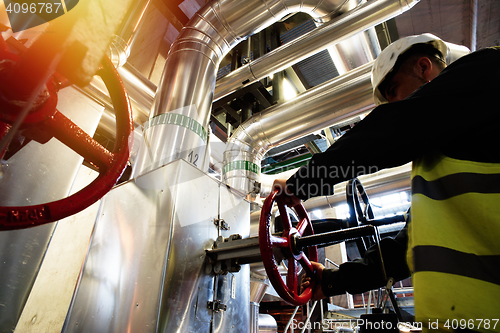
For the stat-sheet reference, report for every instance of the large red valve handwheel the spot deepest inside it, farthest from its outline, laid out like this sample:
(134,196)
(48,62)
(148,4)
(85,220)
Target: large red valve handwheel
(268,243)
(111,164)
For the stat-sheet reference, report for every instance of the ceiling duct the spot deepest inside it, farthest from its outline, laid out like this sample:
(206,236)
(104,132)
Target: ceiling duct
(177,127)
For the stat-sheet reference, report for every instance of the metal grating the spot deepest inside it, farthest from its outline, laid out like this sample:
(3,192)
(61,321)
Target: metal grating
(318,68)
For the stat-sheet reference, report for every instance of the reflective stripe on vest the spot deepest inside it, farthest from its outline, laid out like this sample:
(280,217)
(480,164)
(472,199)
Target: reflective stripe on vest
(455,239)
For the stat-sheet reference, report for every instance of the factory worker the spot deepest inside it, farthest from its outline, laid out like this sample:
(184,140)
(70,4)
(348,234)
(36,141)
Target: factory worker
(446,121)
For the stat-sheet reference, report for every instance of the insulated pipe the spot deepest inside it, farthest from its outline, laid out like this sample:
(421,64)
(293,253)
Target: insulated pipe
(383,182)
(366,47)
(119,48)
(140,90)
(267,323)
(177,127)
(386,181)
(339,29)
(258,289)
(340,98)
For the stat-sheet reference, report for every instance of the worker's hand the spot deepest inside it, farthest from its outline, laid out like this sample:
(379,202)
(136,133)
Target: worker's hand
(314,281)
(280,185)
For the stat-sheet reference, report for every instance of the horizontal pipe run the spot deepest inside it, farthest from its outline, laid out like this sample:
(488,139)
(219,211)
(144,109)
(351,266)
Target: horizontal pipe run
(386,181)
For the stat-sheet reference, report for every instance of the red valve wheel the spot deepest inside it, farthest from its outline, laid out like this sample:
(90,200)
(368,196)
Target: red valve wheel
(111,164)
(268,243)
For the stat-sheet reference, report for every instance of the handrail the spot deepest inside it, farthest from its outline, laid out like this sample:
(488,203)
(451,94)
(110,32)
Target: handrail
(310,312)
(291,318)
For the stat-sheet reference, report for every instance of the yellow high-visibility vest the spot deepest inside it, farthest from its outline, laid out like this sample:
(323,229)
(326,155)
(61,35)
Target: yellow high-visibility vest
(454,243)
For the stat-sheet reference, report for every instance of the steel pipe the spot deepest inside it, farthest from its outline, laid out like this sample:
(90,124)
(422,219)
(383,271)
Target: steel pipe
(120,46)
(140,90)
(387,181)
(332,237)
(267,324)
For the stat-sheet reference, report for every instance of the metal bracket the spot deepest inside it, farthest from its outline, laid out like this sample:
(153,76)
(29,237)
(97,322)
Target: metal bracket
(226,266)
(256,187)
(220,223)
(216,306)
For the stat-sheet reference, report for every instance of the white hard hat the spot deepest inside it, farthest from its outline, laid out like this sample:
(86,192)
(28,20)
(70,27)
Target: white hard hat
(385,62)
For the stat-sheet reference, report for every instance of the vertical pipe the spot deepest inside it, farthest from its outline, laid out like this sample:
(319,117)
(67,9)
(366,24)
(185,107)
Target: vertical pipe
(119,48)
(131,25)
(473,23)
(254,317)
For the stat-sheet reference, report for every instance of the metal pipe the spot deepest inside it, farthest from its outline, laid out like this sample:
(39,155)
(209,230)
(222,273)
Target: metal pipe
(258,289)
(177,127)
(140,90)
(386,181)
(119,48)
(340,98)
(339,29)
(267,323)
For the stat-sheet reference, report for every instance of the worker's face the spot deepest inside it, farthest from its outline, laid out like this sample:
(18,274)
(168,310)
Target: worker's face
(402,85)
(410,78)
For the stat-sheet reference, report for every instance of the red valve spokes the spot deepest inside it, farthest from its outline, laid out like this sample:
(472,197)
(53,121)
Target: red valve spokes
(268,243)
(110,164)
(75,138)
